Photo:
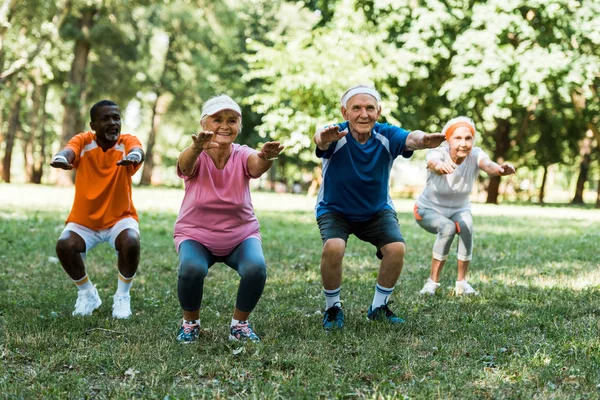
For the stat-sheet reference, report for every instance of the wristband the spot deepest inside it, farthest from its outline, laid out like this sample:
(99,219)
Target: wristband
(59,157)
(271,159)
(137,154)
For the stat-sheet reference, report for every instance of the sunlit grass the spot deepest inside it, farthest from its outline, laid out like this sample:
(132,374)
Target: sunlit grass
(532,333)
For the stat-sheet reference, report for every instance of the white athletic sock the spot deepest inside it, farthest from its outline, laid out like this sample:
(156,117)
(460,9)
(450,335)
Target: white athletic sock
(124,284)
(84,283)
(332,297)
(382,294)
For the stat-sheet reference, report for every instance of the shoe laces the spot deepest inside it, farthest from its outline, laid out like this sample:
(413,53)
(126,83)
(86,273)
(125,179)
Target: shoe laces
(333,312)
(187,327)
(243,327)
(384,308)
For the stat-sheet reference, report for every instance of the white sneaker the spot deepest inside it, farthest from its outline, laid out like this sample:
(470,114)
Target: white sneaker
(121,306)
(430,287)
(462,288)
(87,302)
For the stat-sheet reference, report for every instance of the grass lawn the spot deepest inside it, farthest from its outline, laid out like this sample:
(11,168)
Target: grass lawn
(532,333)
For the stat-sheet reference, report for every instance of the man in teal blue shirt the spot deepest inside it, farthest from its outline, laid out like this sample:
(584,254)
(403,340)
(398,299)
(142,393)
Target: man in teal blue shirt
(357,157)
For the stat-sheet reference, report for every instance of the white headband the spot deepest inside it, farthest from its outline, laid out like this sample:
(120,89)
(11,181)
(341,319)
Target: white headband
(359,90)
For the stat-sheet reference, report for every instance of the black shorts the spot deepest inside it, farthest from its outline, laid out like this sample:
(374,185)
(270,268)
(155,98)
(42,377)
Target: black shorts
(379,230)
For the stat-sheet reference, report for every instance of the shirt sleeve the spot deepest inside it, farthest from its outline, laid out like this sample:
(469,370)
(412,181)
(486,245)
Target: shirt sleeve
(397,137)
(480,154)
(76,144)
(244,154)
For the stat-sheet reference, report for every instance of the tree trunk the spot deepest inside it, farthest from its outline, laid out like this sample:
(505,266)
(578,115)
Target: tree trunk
(585,150)
(40,159)
(543,187)
(160,105)
(72,122)
(598,195)
(13,124)
(28,139)
(502,144)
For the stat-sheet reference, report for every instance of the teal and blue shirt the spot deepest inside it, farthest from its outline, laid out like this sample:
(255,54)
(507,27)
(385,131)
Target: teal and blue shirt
(356,176)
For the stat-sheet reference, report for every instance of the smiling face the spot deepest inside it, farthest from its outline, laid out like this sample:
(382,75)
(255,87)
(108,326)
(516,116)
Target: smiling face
(361,111)
(107,124)
(461,143)
(225,124)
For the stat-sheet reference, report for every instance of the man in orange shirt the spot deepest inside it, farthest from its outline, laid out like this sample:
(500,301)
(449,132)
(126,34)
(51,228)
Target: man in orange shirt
(102,210)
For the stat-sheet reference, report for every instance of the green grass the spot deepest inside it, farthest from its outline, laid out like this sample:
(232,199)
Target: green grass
(532,333)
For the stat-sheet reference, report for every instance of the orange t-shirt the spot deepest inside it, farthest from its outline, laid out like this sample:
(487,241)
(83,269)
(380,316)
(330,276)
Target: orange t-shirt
(102,188)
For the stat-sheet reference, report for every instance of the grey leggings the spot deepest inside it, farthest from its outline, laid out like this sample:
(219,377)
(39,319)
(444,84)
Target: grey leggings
(460,223)
(195,260)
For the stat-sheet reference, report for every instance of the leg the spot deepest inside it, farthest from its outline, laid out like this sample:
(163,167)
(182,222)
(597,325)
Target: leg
(445,229)
(463,267)
(436,269)
(194,260)
(331,263)
(128,246)
(383,231)
(125,238)
(334,234)
(249,262)
(69,247)
(391,264)
(464,226)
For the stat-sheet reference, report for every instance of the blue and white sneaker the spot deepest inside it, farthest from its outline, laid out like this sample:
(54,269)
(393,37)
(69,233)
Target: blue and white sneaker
(383,313)
(333,317)
(242,332)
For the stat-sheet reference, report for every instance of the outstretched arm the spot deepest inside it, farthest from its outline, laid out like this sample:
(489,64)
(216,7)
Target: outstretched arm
(189,156)
(259,163)
(63,159)
(325,136)
(417,140)
(493,169)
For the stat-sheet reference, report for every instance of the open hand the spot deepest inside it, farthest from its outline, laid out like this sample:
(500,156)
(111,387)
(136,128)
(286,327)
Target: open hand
(131,159)
(62,164)
(331,133)
(270,150)
(507,169)
(433,140)
(203,141)
(443,168)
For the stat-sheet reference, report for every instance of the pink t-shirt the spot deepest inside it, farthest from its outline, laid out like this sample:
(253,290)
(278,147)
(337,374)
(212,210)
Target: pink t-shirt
(217,208)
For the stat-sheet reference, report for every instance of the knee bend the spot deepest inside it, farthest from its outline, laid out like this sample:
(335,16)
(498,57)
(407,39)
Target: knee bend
(448,229)
(255,271)
(130,242)
(65,246)
(394,251)
(334,248)
(192,271)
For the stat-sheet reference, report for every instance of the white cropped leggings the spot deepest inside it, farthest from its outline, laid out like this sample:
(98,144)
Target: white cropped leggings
(460,223)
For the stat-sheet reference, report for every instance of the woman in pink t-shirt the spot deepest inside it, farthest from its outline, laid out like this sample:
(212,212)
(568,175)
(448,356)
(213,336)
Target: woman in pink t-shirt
(216,222)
